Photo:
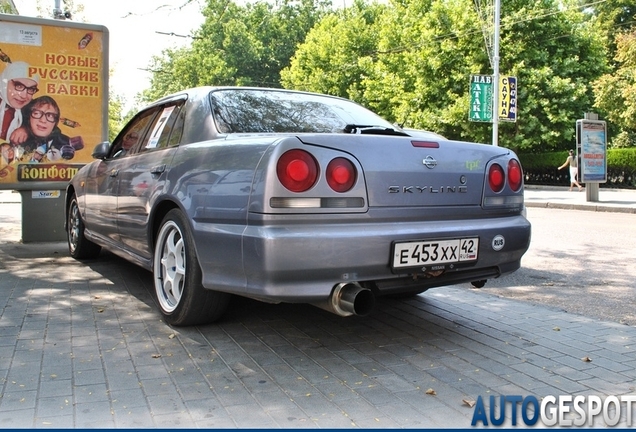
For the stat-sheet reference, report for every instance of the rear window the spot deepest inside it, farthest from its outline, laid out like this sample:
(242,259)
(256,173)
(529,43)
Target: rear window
(271,111)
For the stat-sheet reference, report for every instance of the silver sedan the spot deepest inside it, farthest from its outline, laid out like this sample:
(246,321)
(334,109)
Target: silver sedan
(286,196)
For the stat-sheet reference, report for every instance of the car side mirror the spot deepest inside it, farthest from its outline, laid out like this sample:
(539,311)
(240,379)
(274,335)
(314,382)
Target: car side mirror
(101,150)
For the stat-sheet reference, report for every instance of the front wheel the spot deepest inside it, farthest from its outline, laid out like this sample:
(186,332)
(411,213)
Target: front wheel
(177,277)
(78,245)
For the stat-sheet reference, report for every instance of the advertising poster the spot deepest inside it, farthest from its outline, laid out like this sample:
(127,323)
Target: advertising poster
(508,98)
(593,151)
(53,99)
(480,98)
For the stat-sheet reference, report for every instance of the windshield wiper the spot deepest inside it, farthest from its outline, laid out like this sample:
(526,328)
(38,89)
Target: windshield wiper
(371,129)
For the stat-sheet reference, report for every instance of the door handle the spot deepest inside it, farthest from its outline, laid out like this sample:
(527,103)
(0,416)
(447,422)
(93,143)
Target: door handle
(157,169)
(114,173)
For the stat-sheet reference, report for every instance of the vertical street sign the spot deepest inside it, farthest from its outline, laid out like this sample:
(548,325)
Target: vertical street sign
(482,94)
(507,108)
(481,98)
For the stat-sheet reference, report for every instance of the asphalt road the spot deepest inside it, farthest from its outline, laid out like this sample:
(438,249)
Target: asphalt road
(581,262)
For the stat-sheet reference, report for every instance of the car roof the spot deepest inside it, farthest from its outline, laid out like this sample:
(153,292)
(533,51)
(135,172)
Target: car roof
(202,91)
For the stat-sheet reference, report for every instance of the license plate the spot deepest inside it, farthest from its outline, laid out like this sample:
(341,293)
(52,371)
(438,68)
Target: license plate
(432,252)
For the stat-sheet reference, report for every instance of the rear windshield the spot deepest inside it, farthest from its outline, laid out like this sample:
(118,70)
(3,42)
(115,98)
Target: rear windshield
(270,111)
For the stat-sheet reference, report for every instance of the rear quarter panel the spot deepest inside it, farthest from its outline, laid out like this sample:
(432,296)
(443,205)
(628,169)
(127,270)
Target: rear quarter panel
(212,182)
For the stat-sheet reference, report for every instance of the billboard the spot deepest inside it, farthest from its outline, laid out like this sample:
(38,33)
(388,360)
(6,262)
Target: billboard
(592,150)
(507,99)
(481,98)
(54,99)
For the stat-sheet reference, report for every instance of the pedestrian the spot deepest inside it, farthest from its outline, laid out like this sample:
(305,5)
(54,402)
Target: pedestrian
(571,160)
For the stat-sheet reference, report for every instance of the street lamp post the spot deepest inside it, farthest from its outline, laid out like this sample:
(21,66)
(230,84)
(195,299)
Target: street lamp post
(495,67)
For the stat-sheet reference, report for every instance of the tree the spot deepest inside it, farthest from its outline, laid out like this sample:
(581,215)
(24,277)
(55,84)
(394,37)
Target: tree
(612,18)
(555,54)
(616,92)
(237,45)
(415,67)
(115,118)
(6,7)
(337,52)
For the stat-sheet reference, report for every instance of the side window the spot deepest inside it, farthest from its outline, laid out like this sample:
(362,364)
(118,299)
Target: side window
(177,129)
(167,128)
(131,139)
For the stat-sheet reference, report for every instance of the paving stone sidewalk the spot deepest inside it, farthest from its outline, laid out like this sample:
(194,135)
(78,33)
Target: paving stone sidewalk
(82,346)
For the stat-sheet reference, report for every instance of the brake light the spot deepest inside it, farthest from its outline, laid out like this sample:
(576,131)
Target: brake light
(341,175)
(515,175)
(425,144)
(297,170)
(496,178)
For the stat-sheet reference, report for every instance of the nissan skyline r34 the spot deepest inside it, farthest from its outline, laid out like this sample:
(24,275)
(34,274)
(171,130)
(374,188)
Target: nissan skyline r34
(287,196)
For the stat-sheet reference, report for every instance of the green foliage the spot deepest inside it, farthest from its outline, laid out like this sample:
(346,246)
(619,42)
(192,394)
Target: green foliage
(535,161)
(5,7)
(541,168)
(237,45)
(555,56)
(624,139)
(621,167)
(622,158)
(115,120)
(410,61)
(413,62)
(612,18)
(616,92)
(336,53)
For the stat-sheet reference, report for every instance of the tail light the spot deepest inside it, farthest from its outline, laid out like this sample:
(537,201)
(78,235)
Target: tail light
(515,175)
(496,178)
(297,170)
(341,175)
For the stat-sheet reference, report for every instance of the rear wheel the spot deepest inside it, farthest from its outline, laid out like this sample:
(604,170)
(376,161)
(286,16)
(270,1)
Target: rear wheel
(78,245)
(479,283)
(177,277)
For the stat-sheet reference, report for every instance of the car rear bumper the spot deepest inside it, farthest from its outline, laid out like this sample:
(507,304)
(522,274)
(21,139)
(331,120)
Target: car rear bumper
(299,262)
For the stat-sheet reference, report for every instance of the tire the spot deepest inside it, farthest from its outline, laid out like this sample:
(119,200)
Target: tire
(78,245)
(177,275)
(479,283)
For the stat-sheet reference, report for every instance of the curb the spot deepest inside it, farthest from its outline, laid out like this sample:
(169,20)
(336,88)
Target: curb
(588,207)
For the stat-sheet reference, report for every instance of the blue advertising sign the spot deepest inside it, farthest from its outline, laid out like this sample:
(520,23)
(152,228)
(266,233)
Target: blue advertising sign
(592,150)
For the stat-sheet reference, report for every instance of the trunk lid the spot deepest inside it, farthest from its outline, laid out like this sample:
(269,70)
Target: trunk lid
(406,171)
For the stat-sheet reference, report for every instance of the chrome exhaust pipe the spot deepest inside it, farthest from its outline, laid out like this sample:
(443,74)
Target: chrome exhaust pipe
(349,298)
